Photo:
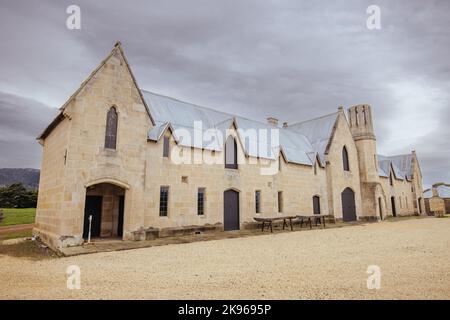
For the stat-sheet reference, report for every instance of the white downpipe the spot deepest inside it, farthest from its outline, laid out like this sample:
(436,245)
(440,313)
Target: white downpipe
(90,224)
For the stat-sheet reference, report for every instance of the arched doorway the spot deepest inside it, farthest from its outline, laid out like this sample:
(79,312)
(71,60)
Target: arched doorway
(394,209)
(348,205)
(105,203)
(230,210)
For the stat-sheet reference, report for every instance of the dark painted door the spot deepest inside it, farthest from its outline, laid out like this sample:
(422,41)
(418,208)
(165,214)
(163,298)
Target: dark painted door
(93,206)
(316,205)
(120,220)
(230,210)
(394,209)
(348,205)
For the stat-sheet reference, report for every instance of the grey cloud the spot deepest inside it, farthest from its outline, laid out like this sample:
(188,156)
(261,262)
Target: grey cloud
(21,120)
(289,59)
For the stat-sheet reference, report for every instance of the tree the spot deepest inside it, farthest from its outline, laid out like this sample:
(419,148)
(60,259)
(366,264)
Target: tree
(17,196)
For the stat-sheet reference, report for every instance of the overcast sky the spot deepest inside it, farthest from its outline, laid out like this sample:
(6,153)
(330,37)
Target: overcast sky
(289,59)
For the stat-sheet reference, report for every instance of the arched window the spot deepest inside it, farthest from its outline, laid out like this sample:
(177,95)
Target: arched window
(231,153)
(111,129)
(345,159)
(316,205)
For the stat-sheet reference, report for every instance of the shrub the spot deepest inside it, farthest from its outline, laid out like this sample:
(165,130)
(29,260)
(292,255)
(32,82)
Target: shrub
(17,196)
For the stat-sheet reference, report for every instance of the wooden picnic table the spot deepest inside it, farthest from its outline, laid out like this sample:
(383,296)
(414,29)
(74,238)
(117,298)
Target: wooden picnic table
(307,219)
(316,217)
(269,221)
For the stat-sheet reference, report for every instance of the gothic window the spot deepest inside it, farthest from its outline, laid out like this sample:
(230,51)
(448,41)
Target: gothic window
(166,144)
(391,180)
(231,153)
(345,159)
(111,129)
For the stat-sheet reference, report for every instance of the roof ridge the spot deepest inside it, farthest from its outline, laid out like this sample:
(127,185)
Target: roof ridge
(399,155)
(313,119)
(203,107)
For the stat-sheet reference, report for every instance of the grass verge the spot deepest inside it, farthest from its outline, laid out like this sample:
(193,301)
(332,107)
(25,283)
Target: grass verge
(14,216)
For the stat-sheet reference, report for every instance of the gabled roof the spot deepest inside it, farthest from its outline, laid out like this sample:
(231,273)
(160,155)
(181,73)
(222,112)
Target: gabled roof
(181,115)
(157,131)
(61,115)
(318,131)
(442,189)
(401,166)
(301,143)
(404,164)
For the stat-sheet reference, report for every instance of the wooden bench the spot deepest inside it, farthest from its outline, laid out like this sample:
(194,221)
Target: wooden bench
(309,218)
(269,222)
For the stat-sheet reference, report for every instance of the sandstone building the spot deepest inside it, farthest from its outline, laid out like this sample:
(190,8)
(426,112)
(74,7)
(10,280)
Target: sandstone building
(437,199)
(125,157)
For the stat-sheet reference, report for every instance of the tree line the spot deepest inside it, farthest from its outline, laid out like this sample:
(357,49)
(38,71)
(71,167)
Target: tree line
(17,196)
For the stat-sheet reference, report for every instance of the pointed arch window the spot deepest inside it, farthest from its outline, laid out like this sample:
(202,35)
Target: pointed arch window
(231,153)
(111,129)
(345,159)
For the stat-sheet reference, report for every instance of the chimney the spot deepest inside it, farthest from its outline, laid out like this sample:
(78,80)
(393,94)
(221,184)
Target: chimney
(272,121)
(285,124)
(434,191)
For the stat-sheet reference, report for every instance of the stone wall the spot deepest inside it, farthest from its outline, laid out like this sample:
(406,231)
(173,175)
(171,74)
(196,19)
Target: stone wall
(76,163)
(338,179)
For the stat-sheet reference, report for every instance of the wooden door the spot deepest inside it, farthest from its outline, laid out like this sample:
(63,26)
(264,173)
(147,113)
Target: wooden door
(348,205)
(230,210)
(93,207)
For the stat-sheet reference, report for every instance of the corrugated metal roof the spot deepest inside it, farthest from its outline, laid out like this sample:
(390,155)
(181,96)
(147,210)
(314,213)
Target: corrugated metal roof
(383,168)
(296,147)
(404,163)
(317,131)
(182,115)
(155,133)
(443,192)
(401,165)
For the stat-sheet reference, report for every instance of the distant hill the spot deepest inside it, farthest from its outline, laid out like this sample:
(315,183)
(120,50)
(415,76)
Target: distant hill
(28,177)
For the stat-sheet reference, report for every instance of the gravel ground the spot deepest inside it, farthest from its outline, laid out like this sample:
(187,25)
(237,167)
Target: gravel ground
(414,257)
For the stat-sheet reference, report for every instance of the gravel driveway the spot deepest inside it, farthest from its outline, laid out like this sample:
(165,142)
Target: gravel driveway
(413,254)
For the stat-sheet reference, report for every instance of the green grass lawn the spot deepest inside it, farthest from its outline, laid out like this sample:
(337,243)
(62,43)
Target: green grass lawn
(17,216)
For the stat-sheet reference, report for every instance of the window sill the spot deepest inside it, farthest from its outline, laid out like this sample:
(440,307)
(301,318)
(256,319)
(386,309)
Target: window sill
(109,152)
(232,172)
